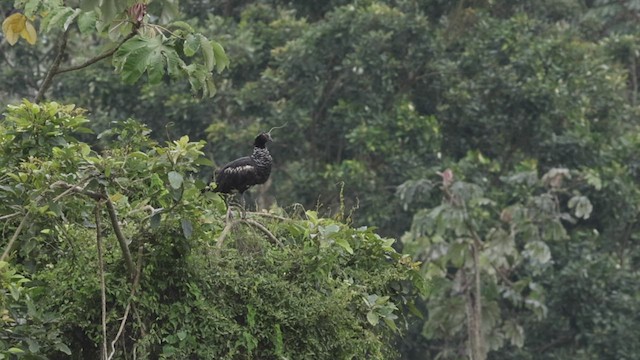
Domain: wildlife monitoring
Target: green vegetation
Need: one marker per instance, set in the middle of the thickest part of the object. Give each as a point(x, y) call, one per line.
point(261, 286)
point(496, 140)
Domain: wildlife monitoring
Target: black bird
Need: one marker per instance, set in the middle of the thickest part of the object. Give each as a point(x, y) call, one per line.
point(242, 173)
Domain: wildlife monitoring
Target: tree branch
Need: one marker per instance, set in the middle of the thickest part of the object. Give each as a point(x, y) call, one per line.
point(136, 281)
point(46, 83)
point(267, 215)
point(225, 232)
point(97, 58)
point(264, 230)
point(74, 188)
point(55, 67)
point(120, 236)
point(103, 291)
point(13, 239)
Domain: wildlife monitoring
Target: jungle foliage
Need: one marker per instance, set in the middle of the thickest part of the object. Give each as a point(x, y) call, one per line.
point(264, 286)
point(497, 140)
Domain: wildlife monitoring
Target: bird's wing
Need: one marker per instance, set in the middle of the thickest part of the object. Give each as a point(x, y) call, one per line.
point(236, 175)
point(238, 166)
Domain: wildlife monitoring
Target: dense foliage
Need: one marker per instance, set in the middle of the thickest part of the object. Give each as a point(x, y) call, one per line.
point(497, 139)
point(263, 286)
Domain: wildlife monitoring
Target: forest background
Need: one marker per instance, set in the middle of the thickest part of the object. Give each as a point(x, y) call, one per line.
point(497, 141)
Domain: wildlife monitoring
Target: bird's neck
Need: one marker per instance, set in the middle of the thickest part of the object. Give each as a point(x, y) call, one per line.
point(261, 156)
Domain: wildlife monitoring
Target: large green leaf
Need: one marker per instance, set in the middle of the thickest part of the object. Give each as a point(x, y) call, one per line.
point(150, 54)
point(221, 59)
point(191, 45)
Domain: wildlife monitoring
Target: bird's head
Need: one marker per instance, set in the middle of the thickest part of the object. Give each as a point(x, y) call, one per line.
point(262, 140)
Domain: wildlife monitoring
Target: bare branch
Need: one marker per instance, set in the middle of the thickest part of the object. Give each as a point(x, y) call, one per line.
point(97, 58)
point(267, 215)
point(55, 66)
point(5, 217)
point(136, 281)
point(264, 230)
point(46, 83)
point(75, 189)
point(225, 232)
point(103, 291)
point(120, 330)
point(13, 239)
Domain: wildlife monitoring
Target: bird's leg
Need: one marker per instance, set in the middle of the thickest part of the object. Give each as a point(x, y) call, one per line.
point(228, 216)
point(243, 206)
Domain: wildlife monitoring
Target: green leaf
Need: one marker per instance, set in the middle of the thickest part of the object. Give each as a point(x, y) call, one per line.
point(457, 253)
point(109, 10)
point(593, 179)
point(343, 243)
point(278, 340)
point(57, 16)
point(15, 351)
point(187, 228)
point(140, 54)
point(221, 59)
point(182, 335)
point(30, 7)
point(514, 332)
point(183, 25)
point(414, 310)
point(15, 292)
point(204, 161)
point(327, 231)
point(191, 45)
point(155, 221)
point(373, 318)
point(89, 5)
point(34, 346)
point(391, 324)
point(63, 348)
point(538, 251)
point(582, 206)
point(207, 52)
point(175, 179)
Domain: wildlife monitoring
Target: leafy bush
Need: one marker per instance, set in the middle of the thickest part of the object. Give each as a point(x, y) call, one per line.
point(180, 280)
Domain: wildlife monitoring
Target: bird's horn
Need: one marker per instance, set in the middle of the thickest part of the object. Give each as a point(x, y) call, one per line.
point(276, 127)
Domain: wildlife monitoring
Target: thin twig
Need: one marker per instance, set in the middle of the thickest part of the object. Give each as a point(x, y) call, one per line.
point(267, 215)
point(103, 287)
point(9, 247)
point(46, 83)
point(264, 230)
point(5, 217)
point(120, 330)
point(97, 58)
point(75, 188)
point(55, 66)
point(136, 281)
